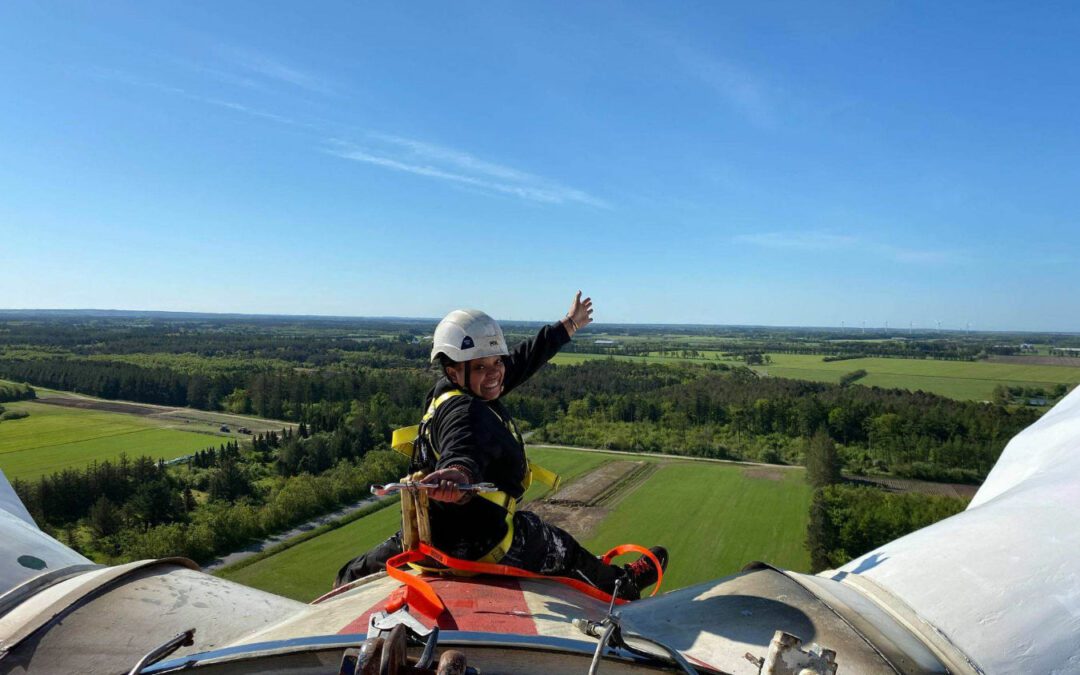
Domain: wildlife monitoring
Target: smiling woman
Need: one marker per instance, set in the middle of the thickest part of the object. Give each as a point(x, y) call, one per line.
point(468, 437)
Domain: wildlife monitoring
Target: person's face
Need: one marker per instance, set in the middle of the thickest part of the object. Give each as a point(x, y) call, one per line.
point(485, 376)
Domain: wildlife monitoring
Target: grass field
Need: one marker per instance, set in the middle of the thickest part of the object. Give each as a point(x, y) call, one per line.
point(711, 517)
point(573, 359)
point(713, 520)
point(306, 571)
point(567, 464)
point(961, 380)
point(54, 437)
point(964, 380)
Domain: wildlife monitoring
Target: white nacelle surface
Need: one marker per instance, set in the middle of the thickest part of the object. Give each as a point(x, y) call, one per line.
point(1001, 580)
point(28, 552)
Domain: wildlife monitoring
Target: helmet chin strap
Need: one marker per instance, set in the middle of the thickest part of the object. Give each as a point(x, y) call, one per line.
point(467, 371)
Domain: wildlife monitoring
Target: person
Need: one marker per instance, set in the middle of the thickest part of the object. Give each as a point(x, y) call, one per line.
point(470, 437)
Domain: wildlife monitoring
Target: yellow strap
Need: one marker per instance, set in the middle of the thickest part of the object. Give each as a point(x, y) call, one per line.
point(503, 501)
point(442, 398)
point(510, 504)
point(545, 476)
point(403, 439)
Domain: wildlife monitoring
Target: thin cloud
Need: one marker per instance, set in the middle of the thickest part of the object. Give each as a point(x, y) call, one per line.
point(814, 241)
point(457, 158)
point(270, 68)
point(432, 161)
point(827, 241)
point(747, 92)
point(247, 110)
point(122, 77)
point(921, 256)
point(398, 153)
point(741, 89)
point(224, 76)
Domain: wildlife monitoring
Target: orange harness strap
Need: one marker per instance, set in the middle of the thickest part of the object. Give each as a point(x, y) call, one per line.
point(420, 596)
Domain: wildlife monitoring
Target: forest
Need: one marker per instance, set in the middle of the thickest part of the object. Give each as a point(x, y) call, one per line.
point(349, 383)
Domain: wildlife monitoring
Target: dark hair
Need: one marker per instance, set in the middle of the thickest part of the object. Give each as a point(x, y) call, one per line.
point(444, 362)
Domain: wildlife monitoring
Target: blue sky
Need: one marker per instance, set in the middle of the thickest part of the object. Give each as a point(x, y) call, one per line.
point(763, 163)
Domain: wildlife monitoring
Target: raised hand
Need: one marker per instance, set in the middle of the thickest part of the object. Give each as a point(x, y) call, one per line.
point(580, 314)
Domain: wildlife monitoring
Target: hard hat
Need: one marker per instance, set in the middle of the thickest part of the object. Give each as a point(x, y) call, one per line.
point(466, 334)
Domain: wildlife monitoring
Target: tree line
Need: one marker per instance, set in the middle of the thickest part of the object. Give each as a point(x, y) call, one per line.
point(275, 394)
point(734, 414)
point(712, 411)
point(847, 520)
point(216, 501)
point(347, 393)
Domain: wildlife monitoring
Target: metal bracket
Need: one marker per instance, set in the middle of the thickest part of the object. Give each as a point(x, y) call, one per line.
point(786, 657)
point(381, 623)
point(185, 639)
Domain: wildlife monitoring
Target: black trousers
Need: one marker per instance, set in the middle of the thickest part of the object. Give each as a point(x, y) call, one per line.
point(537, 546)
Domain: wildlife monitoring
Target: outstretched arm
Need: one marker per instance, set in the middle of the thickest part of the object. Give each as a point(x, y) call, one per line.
point(526, 358)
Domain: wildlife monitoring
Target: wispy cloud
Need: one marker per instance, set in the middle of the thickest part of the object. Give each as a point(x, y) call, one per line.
point(812, 241)
point(224, 76)
point(456, 158)
point(829, 241)
point(920, 256)
point(434, 161)
point(123, 77)
point(271, 68)
point(747, 92)
point(742, 90)
point(396, 153)
point(247, 110)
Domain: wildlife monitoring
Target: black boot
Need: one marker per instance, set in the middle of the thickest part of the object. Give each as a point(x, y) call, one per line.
point(642, 573)
point(589, 568)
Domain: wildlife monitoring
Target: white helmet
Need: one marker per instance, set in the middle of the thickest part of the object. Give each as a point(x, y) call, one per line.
point(466, 334)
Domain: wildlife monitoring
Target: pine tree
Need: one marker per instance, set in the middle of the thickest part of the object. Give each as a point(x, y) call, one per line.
point(105, 518)
point(822, 461)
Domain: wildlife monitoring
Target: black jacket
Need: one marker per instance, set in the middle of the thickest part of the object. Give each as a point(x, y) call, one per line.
point(480, 437)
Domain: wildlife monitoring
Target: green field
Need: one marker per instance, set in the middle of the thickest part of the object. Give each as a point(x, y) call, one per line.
point(574, 358)
point(713, 520)
point(711, 517)
point(963, 380)
point(55, 437)
point(568, 464)
point(307, 570)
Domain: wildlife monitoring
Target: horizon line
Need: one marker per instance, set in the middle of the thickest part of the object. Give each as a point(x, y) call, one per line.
point(339, 317)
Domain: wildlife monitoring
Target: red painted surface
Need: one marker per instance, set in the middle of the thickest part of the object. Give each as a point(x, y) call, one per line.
point(488, 604)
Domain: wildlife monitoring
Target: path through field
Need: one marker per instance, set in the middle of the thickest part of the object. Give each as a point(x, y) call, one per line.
point(262, 545)
point(184, 419)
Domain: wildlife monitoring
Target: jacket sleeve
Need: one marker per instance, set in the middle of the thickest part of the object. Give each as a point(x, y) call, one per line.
point(527, 358)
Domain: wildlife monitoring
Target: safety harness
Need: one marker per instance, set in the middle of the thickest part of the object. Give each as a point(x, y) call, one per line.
point(415, 442)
